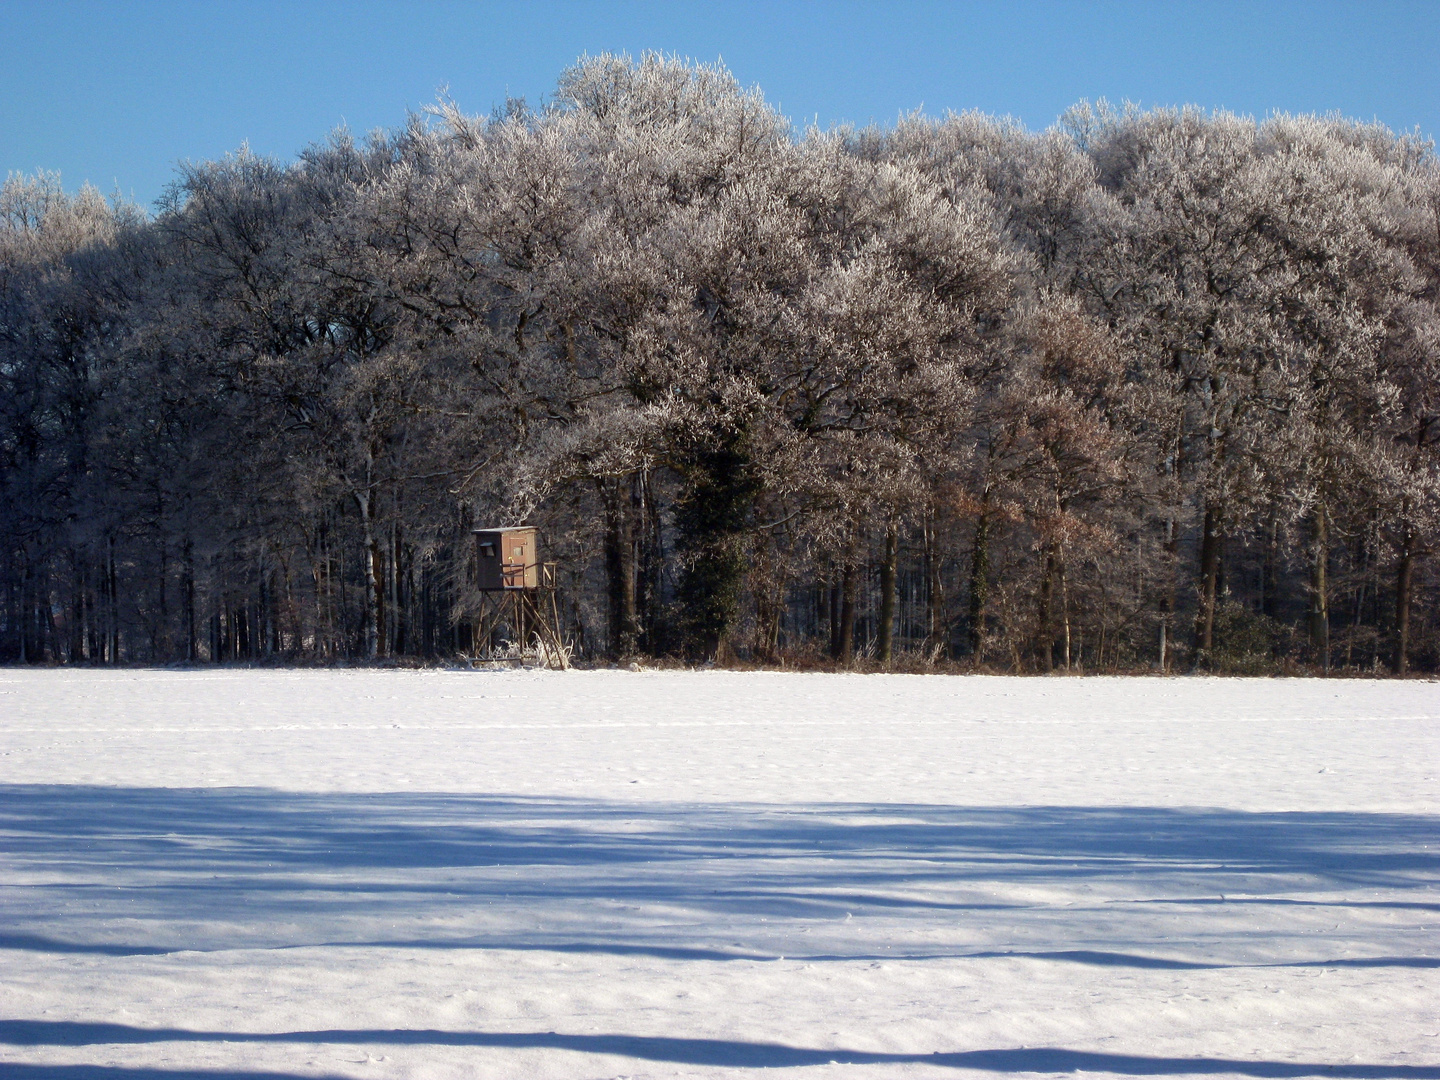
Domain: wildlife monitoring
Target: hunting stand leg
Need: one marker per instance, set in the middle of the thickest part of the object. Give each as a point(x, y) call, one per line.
point(490, 615)
point(547, 628)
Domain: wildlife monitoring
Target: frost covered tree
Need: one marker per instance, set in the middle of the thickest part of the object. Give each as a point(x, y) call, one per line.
point(1150, 388)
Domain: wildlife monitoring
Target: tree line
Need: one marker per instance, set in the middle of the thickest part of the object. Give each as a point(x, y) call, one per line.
point(1151, 389)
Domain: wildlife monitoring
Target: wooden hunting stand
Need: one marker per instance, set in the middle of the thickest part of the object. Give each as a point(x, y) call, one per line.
point(519, 592)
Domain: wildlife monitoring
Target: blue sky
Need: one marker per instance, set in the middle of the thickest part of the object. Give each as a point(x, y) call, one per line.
point(116, 93)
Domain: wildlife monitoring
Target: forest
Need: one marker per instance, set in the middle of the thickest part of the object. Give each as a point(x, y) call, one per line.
point(1154, 389)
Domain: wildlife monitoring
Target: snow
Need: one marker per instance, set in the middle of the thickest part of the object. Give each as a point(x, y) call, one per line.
point(600, 874)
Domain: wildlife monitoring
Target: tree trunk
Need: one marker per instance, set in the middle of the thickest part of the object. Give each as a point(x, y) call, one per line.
point(1320, 588)
point(1211, 544)
point(25, 608)
point(161, 643)
point(1045, 605)
point(834, 613)
point(769, 609)
point(395, 591)
point(76, 623)
point(320, 577)
point(374, 582)
point(849, 582)
point(244, 639)
point(1171, 548)
point(112, 588)
point(980, 580)
point(1064, 607)
point(1404, 587)
point(620, 571)
point(262, 614)
point(888, 590)
point(1270, 573)
point(934, 591)
point(650, 561)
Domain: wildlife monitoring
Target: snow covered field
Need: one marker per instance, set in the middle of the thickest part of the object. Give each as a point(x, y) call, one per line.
point(601, 874)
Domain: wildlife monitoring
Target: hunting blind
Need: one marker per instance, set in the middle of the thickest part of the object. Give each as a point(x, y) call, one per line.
point(507, 559)
point(519, 593)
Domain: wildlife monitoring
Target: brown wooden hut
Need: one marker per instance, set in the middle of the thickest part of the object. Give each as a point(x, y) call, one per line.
point(507, 558)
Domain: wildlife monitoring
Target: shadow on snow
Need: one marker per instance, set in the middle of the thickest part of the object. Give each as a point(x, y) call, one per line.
point(714, 1052)
point(310, 861)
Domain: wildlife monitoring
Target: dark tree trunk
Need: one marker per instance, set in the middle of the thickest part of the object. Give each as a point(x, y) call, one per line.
point(980, 580)
point(888, 589)
point(1404, 587)
point(261, 637)
point(1066, 653)
point(395, 590)
point(650, 559)
point(1270, 572)
point(76, 614)
point(934, 591)
point(1212, 543)
point(1320, 588)
point(849, 584)
point(112, 589)
point(25, 608)
point(161, 642)
point(833, 613)
point(377, 585)
point(620, 570)
point(1045, 605)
